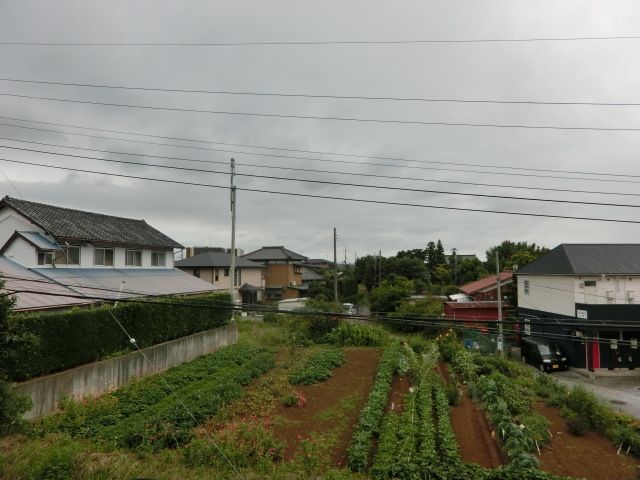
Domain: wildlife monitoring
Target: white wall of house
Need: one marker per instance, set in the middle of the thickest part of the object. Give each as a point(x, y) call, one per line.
point(559, 293)
point(548, 293)
point(608, 289)
point(252, 276)
point(22, 252)
point(10, 221)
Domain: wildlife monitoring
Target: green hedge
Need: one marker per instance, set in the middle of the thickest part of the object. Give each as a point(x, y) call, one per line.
point(50, 342)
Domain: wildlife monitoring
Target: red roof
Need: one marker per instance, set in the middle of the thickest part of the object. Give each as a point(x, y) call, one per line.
point(485, 283)
point(474, 305)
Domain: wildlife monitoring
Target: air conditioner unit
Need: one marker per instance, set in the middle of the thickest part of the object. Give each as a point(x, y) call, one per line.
point(611, 295)
point(293, 284)
point(631, 295)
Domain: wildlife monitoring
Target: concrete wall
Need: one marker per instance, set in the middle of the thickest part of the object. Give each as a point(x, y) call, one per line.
point(100, 377)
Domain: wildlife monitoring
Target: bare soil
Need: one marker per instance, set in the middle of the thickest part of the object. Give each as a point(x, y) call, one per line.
point(591, 456)
point(332, 407)
point(477, 443)
point(399, 388)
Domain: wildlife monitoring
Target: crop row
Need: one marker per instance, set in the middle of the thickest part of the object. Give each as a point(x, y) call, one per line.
point(318, 367)
point(152, 414)
point(396, 456)
point(371, 415)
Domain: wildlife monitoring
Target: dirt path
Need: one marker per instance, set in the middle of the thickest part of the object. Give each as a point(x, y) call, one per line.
point(590, 456)
point(332, 407)
point(474, 435)
point(472, 430)
point(399, 388)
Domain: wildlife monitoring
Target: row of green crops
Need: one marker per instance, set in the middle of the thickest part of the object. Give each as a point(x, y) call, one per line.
point(317, 367)
point(160, 411)
point(420, 443)
point(371, 415)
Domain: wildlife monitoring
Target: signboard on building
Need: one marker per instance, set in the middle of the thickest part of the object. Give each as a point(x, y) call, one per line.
point(582, 314)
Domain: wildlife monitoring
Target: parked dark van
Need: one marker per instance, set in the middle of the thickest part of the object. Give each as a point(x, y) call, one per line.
point(544, 354)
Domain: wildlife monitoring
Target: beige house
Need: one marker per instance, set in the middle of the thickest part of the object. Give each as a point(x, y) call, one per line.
point(214, 266)
point(283, 272)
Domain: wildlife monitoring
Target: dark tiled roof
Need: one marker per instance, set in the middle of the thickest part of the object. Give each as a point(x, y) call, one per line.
point(588, 259)
point(215, 259)
point(266, 254)
point(67, 223)
point(310, 276)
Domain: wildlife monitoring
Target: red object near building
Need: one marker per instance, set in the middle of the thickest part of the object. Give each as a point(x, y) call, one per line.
point(473, 311)
point(487, 288)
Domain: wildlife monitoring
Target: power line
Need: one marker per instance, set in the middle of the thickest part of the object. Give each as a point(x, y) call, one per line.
point(339, 154)
point(327, 182)
point(269, 155)
point(324, 96)
point(324, 42)
point(310, 170)
point(317, 117)
point(328, 197)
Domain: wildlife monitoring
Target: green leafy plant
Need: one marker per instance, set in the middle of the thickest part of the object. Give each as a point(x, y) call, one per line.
point(318, 367)
point(356, 335)
point(373, 411)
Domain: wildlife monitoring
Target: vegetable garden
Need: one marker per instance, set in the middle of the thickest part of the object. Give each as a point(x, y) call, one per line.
point(348, 402)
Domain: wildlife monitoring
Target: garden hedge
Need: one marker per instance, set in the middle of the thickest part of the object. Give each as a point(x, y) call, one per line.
point(41, 343)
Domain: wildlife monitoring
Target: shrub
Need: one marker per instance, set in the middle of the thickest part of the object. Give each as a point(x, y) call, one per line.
point(536, 426)
point(318, 367)
point(586, 405)
point(245, 443)
point(356, 335)
point(12, 407)
point(453, 394)
point(70, 338)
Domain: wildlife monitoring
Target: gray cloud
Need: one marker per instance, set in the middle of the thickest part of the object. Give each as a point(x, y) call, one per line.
point(601, 71)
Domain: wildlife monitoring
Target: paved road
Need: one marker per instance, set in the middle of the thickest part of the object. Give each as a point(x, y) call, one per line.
point(621, 393)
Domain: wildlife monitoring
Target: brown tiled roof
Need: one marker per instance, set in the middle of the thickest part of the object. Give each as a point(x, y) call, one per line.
point(473, 287)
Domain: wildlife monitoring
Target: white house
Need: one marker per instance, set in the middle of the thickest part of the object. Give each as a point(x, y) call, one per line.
point(586, 290)
point(92, 253)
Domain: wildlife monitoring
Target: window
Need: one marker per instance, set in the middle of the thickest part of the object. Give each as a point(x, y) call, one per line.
point(68, 256)
point(297, 269)
point(158, 259)
point(238, 277)
point(526, 287)
point(103, 257)
point(134, 258)
point(45, 258)
point(589, 283)
point(217, 274)
point(196, 272)
point(226, 272)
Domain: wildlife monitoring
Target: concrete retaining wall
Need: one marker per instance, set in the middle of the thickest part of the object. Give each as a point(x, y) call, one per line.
point(100, 377)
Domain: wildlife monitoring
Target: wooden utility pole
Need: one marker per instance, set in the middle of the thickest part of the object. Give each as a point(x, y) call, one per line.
point(232, 270)
point(335, 266)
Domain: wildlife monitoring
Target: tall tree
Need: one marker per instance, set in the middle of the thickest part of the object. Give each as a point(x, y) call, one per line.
point(527, 252)
point(441, 258)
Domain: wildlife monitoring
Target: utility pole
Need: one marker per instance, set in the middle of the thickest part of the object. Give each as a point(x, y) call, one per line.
point(380, 268)
point(232, 270)
point(454, 254)
point(345, 257)
point(335, 266)
point(500, 332)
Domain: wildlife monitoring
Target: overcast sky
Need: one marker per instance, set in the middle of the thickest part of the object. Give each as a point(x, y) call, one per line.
point(599, 71)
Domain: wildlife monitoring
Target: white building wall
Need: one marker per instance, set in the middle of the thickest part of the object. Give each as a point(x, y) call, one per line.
point(548, 293)
point(609, 289)
point(22, 252)
point(10, 221)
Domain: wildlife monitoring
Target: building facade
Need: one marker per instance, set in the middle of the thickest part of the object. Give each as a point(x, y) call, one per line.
point(585, 298)
point(283, 272)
